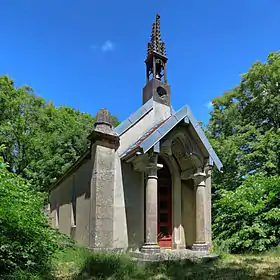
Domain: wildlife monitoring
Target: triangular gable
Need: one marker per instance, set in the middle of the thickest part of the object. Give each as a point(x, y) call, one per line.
point(156, 133)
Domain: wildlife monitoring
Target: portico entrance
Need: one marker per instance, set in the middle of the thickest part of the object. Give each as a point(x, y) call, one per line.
point(164, 207)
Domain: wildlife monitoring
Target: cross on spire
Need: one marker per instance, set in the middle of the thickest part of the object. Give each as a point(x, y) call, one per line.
point(155, 44)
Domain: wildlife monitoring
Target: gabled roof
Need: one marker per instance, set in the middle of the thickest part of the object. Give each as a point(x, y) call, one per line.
point(156, 133)
point(135, 117)
point(129, 122)
point(139, 142)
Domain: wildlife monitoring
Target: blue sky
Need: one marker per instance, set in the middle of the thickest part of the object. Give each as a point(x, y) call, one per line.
point(90, 54)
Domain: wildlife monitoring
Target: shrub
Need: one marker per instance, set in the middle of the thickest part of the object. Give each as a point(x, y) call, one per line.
point(248, 218)
point(26, 240)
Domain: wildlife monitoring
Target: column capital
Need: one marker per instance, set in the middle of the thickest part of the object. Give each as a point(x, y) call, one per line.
point(152, 157)
point(153, 165)
point(208, 169)
point(199, 179)
point(152, 168)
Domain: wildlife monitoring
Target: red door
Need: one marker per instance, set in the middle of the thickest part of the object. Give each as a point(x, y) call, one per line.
point(164, 207)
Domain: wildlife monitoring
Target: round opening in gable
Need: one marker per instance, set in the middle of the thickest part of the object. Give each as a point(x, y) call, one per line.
point(161, 91)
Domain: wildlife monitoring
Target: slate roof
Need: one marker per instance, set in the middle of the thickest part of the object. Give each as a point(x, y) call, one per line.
point(140, 113)
point(136, 116)
point(143, 138)
point(157, 132)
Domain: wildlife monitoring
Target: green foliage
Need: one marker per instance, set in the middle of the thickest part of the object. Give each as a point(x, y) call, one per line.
point(41, 140)
point(248, 218)
point(27, 243)
point(244, 130)
point(245, 125)
point(61, 139)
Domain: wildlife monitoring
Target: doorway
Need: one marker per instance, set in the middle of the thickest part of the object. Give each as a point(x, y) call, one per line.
point(164, 207)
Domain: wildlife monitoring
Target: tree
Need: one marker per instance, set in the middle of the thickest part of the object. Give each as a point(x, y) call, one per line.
point(245, 125)
point(244, 129)
point(248, 218)
point(27, 243)
point(41, 140)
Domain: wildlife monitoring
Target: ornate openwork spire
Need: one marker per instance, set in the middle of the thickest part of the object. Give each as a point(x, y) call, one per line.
point(155, 44)
point(156, 81)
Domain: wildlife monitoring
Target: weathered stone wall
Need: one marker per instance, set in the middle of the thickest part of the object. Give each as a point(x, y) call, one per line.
point(102, 197)
point(101, 213)
point(61, 203)
point(133, 183)
point(120, 224)
point(83, 193)
point(188, 212)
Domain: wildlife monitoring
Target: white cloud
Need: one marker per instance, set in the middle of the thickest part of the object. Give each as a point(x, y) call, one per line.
point(108, 46)
point(209, 105)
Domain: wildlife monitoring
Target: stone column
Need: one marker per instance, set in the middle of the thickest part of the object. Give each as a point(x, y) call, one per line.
point(208, 204)
point(151, 207)
point(200, 240)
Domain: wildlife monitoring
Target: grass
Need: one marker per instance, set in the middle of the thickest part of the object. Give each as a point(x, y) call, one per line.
point(81, 264)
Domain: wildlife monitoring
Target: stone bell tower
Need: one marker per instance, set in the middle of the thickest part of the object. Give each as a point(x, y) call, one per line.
point(156, 83)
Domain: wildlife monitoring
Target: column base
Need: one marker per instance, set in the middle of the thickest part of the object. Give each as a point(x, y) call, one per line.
point(150, 249)
point(200, 247)
point(179, 246)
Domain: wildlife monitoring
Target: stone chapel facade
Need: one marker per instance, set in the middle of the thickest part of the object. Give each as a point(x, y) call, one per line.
point(145, 184)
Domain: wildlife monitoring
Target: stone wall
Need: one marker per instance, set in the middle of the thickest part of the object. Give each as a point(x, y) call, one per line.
point(80, 186)
point(188, 212)
point(74, 188)
point(133, 183)
point(120, 219)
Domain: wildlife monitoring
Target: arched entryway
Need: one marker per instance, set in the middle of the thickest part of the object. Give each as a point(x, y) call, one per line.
point(164, 206)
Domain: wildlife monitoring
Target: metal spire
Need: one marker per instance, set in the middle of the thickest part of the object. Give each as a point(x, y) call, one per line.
point(155, 44)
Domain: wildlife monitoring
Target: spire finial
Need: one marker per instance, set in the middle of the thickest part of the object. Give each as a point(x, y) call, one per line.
point(103, 121)
point(155, 44)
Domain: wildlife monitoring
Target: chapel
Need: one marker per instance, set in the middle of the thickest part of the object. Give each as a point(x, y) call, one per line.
point(146, 184)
